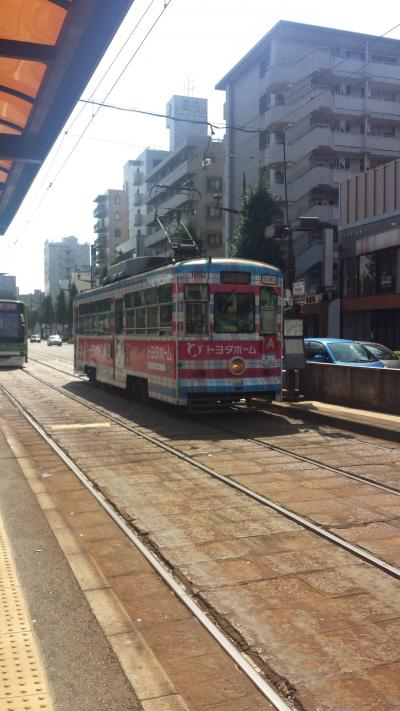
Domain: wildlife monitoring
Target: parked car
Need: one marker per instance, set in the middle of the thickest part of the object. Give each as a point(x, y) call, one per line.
point(340, 352)
point(385, 355)
point(54, 340)
point(35, 338)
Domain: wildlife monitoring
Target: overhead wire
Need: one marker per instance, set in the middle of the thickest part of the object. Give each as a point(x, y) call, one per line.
point(82, 108)
point(213, 126)
point(166, 3)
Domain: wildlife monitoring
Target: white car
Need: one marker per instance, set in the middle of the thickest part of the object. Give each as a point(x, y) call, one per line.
point(54, 340)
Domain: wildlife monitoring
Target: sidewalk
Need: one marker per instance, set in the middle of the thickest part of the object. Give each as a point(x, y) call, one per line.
point(56, 655)
point(381, 424)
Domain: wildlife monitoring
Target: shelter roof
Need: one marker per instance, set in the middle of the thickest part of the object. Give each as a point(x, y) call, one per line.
point(48, 51)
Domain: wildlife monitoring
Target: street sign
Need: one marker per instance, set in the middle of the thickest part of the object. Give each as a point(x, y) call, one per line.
point(299, 290)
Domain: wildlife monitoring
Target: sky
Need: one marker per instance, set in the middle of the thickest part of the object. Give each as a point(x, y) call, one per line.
point(190, 48)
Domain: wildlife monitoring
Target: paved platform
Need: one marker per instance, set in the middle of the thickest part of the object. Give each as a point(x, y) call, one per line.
point(385, 424)
point(106, 632)
point(53, 647)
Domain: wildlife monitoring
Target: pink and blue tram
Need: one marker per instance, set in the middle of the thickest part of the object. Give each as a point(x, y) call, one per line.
point(201, 333)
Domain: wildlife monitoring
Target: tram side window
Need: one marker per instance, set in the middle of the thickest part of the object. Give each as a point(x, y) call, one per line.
point(95, 318)
point(165, 299)
point(268, 311)
point(151, 310)
point(196, 309)
point(140, 314)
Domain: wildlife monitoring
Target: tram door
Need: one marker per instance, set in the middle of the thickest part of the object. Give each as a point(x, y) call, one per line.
point(118, 339)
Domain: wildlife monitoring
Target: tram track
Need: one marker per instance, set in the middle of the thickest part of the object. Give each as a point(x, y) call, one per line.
point(358, 552)
point(268, 411)
point(305, 523)
point(269, 446)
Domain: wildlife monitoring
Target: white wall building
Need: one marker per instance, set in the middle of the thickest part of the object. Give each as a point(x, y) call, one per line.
point(8, 287)
point(61, 259)
point(187, 179)
point(326, 100)
point(135, 174)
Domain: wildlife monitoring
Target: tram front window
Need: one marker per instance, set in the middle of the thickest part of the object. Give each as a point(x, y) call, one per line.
point(234, 313)
point(10, 326)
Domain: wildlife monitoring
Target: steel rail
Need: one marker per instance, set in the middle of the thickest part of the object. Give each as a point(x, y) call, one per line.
point(268, 411)
point(355, 550)
point(257, 679)
point(265, 445)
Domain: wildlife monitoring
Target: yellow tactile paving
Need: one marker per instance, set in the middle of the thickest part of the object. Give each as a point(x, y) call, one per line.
point(22, 682)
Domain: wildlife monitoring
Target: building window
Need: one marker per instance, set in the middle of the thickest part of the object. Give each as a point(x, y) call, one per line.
point(367, 274)
point(214, 239)
point(386, 271)
point(264, 102)
point(350, 276)
point(214, 212)
point(117, 216)
point(117, 232)
point(263, 140)
point(263, 67)
point(117, 199)
point(214, 184)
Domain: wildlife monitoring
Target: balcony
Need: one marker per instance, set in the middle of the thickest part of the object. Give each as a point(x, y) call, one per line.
point(138, 179)
point(322, 97)
point(283, 73)
point(322, 136)
point(316, 176)
point(138, 198)
point(100, 211)
point(323, 210)
point(100, 226)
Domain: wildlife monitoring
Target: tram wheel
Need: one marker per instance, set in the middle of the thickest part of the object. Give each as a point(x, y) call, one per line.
point(143, 390)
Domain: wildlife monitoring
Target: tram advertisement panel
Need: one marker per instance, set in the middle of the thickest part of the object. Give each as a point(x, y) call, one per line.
point(151, 357)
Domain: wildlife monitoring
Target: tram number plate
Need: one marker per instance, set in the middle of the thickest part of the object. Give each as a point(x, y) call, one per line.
point(238, 383)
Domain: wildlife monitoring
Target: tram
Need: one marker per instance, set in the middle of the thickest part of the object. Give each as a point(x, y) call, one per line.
point(202, 333)
point(13, 334)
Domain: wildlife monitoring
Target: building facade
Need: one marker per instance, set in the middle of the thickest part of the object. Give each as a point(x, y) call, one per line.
point(323, 105)
point(369, 235)
point(33, 300)
point(135, 174)
point(111, 228)
point(8, 287)
point(61, 260)
point(185, 183)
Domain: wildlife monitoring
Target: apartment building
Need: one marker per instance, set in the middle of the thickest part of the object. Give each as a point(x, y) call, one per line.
point(369, 234)
point(8, 287)
point(111, 227)
point(33, 300)
point(323, 105)
point(187, 180)
point(61, 260)
point(135, 174)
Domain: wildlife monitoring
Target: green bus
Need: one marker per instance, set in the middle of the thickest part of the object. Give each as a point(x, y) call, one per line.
point(13, 333)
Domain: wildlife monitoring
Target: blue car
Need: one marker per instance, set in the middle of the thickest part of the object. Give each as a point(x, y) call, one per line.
point(340, 352)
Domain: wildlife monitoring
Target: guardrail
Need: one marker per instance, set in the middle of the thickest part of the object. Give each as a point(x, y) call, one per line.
point(376, 389)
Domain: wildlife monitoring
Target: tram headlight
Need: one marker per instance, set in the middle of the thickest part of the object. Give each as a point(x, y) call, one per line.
point(237, 366)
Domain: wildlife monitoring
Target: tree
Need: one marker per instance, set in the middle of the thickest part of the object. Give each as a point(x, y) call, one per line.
point(259, 210)
point(46, 311)
point(61, 308)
